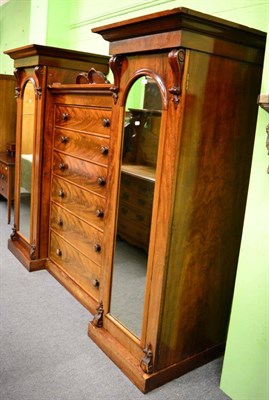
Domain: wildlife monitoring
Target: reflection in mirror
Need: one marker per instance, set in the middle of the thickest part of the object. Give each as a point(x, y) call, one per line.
point(27, 140)
point(137, 180)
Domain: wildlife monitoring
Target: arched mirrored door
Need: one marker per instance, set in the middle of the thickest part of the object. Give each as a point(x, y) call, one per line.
point(137, 181)
point(26, 159)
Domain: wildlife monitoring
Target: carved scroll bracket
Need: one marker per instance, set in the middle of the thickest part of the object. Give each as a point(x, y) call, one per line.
point(147, 361)
point(32, 251)
point(176, 60)
point(39, 70)
point(19, 74)
point(13, 235)
point(98, 317)
point(116, 63)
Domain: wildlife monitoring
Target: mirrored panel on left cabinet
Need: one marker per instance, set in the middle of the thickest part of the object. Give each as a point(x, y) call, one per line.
point(26, 159)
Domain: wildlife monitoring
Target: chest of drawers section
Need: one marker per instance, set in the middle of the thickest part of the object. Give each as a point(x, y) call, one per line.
point(81, 135)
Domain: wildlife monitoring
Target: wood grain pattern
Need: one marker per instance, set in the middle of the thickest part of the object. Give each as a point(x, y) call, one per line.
point(83, 119)
point(80, 172)
point(89, 147)
point(78, 267)
point(87, 239)
point(78, 201)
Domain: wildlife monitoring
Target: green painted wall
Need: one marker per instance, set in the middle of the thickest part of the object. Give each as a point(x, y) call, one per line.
point(68, 23)
point(14, 30)
point(246, 364)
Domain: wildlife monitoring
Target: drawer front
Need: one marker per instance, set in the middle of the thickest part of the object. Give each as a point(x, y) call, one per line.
point(137, 192)
point(83, 173)
point(83, 119)
point(133, 233)
point(92, 148)
point(78, 267)
point(85, 205)
point(134, 215)
point(78, 233)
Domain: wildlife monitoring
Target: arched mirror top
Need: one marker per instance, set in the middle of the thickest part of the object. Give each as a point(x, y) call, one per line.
point(155, 83)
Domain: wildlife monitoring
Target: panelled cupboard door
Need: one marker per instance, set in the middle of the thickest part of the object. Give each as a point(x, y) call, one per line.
point(180, 154)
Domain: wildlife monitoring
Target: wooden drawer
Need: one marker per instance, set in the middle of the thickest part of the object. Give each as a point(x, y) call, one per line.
point(134, 214)
point(137, 192)
point(77, 266)
point(83, 119)
point(80, 202)
point(78, 233)
point(81, 172)
point(90, 147)
point(134, 233)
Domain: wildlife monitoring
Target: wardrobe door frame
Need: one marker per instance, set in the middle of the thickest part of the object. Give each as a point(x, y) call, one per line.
point(36, 76)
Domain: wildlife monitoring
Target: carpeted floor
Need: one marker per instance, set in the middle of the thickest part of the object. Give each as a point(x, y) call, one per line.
point(45, 353)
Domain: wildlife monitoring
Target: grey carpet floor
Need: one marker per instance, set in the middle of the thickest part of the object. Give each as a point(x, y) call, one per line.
point(45, 353)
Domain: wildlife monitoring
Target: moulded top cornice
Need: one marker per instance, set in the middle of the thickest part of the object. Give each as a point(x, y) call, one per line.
point(39, 50)
point(182, 19)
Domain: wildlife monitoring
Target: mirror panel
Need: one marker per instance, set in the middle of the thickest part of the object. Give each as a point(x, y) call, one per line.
point(137, 181)
point(26, 159)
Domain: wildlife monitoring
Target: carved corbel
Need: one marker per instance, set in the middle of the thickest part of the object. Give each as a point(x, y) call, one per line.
point(98, 317)
point(176, 60)
point(13, 235)
point(91, 77)
point(39, 76)
point(147, 361)
point(115, 64)
point(19, 74)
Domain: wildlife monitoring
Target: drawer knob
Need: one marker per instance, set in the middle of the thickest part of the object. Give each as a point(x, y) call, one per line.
point(141, 202)
point(100, 213)
point(65, 116)
point(104, 150)
point(64, 139)
point(60, 222)
point(61, 193)
point(95, 283)
point(101, 181)
point(62, 166)
point(97, 247)
point(106, 122)
point(59, 252)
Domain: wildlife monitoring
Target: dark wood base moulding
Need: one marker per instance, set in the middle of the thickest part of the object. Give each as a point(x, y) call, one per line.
point(130, 366)
point(21, 252)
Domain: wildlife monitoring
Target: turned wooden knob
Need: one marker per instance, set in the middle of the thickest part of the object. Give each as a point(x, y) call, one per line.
point(99, 213)
point(95, 283)
point(104, 150)
point(106, 122)
point(64, 139)
point(60, 222)
point(65, 116)
point(62, 166)
point(59, 252)
point(97, 247)
point(101, 180)
point(61, 193)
